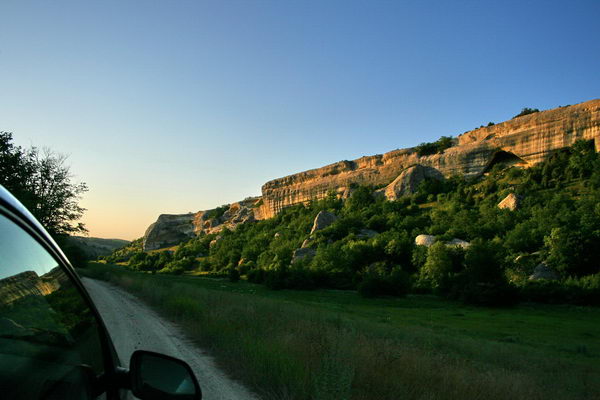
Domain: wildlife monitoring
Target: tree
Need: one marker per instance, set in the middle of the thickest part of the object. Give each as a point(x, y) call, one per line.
point(438, 267)
point(43, 182)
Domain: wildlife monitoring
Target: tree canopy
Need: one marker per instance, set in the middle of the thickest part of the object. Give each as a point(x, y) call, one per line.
point(43, 182)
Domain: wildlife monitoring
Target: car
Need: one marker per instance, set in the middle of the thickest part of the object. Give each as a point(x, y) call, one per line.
point(53, 342)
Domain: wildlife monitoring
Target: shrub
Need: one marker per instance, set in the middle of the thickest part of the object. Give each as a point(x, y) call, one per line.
point(438, 268)
point(483, 281)
point(276, 279)
point(300, 279)
point(233, 274)
point(526, 111)
point(396, 283)
point(256, 275)
point(438, 146)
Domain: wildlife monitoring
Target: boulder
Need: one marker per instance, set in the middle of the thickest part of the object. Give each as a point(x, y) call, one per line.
point(322, 220)
point(458, 243)
point(303, 253)
point(425, 240)
point(408, 181)
point(543, 271)
point(367, 234)
point(510, 202)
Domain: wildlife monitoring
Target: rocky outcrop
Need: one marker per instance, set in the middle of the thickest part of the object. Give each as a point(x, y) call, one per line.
point(523, 141)
point(408, 181)
point(169, 230)
point(510, 202)
point(322, 221)
point(458, 243)
point(425, 240)
point(303, 253)
point(29, 283)
point(542, 271)
point(429, 240)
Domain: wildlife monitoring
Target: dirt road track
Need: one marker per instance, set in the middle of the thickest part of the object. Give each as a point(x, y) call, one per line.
point(134, 326)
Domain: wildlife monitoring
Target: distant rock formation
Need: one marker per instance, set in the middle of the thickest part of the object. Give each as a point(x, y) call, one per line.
point(28, 283)
point(521, 141)
point(169, 230)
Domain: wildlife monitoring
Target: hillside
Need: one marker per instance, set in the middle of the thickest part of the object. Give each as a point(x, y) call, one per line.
point(524, 141)
point(510, 234)
point(97, 247)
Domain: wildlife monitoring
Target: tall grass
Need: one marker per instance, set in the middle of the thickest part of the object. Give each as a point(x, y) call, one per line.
point(285, 350)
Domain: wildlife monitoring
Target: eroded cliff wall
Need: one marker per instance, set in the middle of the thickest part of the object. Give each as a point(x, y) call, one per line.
point(524, 141)
point(527, 139)
point(171, 229)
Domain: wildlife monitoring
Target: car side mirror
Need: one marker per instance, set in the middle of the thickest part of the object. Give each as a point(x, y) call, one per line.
point(156, 376)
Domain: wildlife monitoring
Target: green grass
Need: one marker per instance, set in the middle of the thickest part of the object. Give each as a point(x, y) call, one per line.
point(336, 345)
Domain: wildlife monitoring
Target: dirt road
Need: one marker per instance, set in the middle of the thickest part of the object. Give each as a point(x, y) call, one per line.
point(134, 326)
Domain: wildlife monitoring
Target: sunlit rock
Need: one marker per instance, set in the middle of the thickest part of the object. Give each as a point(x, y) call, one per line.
point(510, 202)
point(425, 240)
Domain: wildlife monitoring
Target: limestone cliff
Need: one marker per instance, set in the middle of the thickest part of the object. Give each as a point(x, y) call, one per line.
point(28, 283)
point(523, 141)
point(169, 229)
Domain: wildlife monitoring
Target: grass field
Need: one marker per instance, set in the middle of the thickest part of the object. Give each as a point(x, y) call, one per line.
point(336, 345)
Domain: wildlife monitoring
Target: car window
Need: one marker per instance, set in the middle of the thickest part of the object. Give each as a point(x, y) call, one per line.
point(49, 343)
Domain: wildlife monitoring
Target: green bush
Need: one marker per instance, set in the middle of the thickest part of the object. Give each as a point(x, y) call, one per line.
point(379, 282)
point(233, 274)
point(438, 146)
point(526, 111)
point(256, 275)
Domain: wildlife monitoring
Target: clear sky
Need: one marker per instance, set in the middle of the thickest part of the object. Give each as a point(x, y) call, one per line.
point(178, 106)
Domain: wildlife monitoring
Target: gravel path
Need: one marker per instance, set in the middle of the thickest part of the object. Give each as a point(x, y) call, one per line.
point(132, 326)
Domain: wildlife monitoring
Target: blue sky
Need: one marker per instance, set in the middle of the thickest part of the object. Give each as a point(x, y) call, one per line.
point(177, 106)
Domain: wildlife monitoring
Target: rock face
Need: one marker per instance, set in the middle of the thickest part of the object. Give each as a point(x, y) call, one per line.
point(408, 181)
point(523, 141)
point(28, 283)
point(510, 202)
point(169, 230)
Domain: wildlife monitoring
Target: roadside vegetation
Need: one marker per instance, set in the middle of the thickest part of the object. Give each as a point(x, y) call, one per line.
point(371, 246)
point(331, 344)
